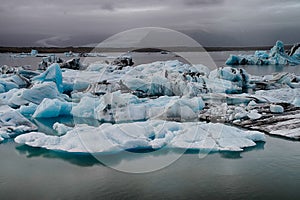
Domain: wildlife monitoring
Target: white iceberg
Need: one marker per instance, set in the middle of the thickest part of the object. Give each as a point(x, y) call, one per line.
point(109, 138)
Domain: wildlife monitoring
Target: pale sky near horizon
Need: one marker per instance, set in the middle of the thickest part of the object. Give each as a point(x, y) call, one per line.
point(210, 22)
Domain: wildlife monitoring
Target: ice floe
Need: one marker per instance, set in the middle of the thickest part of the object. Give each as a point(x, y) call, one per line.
point(109, 138)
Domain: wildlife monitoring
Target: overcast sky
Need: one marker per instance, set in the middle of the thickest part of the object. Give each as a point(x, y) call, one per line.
point(210, 22)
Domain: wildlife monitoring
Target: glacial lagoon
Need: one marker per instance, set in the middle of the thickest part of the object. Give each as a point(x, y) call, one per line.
point(270, 170)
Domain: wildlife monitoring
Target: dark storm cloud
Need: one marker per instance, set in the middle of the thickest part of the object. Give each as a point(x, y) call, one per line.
point(212, 22)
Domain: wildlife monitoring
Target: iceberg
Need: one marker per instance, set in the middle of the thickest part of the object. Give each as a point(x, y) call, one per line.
point(276, 56)
point(112, 138)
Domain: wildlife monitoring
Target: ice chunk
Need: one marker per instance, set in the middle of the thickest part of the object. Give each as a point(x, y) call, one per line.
point(120, 107)
point(286, 95)
point(276, 109)
point(52, 74)
point(5, 86)
point(52, 108)
point(12, 123)
point(109, 138)
point(296, 102)
point(28, 109)
point(34, 52)
point(254, 115)
point(61, 129)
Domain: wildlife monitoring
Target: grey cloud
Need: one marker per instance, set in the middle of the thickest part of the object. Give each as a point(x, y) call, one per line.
point(82, 21)
point(202, 2)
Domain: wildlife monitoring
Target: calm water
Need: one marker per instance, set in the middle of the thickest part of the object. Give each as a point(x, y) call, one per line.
point(268, 171)
point(271, 170)
point(212, 60)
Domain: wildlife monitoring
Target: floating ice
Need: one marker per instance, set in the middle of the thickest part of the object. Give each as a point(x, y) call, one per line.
point(12, 123)
point(277, 56)
point(61, 129)
point(52, 108)
point(254, 115)
point(118, 107)
point(286, 95)
point(296, 102)
point(52, 74)
point(5, 86)
point(28, 109)
point(276, 109)
point(109, 138)
point(34, 52)
point(236, 76)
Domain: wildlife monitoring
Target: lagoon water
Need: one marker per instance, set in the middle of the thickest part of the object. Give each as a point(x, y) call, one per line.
point(270, 170)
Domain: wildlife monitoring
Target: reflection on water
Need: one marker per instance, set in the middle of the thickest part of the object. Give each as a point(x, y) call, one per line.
point(262, 170)
point(85, 160)
point(138, 156)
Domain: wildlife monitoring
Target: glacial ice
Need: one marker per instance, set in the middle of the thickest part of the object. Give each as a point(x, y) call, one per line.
point(171, 78)
point(61, 129)
point(276, 56)
point(111, 138)
point(12, 123)
point(276, 109)
point(285, 95)
point(118, 107)
point(296, 102)
point(49, 108)
point(52, 74)
point(5, 86)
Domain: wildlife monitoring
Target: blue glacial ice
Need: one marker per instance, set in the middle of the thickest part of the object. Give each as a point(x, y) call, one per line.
point(276, 56)
point(52, 74)
point(5, 86)
point(111, 138)
point(49, 108)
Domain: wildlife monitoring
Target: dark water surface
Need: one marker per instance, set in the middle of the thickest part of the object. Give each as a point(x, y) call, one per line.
point(218, 58)
point(269, 171)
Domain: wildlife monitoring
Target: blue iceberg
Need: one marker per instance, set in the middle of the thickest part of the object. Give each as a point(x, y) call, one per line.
point(276, 56)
